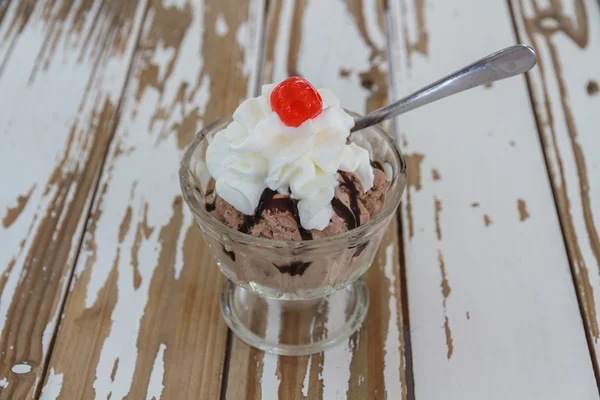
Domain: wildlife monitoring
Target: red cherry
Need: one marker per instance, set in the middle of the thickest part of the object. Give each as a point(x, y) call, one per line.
point(295, 100)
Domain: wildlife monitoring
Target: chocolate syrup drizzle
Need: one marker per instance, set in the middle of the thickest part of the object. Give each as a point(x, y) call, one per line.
point(349, 183)
point(268, 202)
point(295, 268)
point(350, 216)
point(344, 213)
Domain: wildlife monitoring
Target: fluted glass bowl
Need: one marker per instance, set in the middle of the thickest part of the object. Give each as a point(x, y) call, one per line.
point(268, 276)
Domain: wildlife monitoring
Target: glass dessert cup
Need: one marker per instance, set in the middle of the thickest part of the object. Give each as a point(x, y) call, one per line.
point(293, 297)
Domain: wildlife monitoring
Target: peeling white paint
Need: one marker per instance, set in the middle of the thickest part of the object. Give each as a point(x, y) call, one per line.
point(148, 144)
point(221, 27)
point(69, 198)
point(48, 333)
point(131, 302)
point(156, 386)
point(21, 369)
point(42, 140)
point(189, 222)
point(306, 382)
point(249, 36)
point(53, 386)
point(282, 44)
point(11, 237)
point(269, 381)
point(392, 359)
point(127, 314)
point(243, 39)
point(336, 361)
point(351, 51)
point(3, 383)
point(162, 145)
point(372, 26)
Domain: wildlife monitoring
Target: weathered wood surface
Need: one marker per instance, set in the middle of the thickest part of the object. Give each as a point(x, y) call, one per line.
point(97, 100)
point(63, 65)
point(493, 311)
point(340, 45)
point(143, 319)
point(567, 99)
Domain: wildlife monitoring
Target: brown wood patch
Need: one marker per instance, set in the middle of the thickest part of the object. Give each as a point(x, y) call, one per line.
point(47, 219)
point(143, 316)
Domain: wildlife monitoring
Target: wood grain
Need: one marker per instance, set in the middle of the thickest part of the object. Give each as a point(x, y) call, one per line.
point(564, 88)
point(60, 92)
point(493, 311)
point(339, 45)
point(142, 319)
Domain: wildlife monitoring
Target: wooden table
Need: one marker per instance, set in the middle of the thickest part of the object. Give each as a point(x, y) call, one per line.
point(486, 287)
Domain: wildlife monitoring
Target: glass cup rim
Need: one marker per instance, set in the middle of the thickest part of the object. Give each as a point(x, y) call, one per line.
point(185, 173)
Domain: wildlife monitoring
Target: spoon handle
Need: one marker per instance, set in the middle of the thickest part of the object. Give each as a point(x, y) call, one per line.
point(511, 61)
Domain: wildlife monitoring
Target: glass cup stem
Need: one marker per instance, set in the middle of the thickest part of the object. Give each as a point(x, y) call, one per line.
point(294, 327)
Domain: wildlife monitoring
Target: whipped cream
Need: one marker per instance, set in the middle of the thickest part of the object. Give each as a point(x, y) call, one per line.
point(258, 151)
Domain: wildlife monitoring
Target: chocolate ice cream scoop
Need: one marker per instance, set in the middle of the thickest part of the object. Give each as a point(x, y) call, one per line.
point(276, 216)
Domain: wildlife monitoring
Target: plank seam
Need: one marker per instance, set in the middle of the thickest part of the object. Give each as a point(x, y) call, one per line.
point(96, 186)
point(225, 370)
point(391, 41)
point(408, 359)
point(538, 123)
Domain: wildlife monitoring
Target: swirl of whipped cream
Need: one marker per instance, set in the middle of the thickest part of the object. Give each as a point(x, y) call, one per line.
point(258, 151)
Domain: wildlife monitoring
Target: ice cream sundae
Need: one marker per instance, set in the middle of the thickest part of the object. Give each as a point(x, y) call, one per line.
point(283, 169)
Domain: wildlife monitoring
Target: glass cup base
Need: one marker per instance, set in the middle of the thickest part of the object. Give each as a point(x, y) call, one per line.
point(294, 327)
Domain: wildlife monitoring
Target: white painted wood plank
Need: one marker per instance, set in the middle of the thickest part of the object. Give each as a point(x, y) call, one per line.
point(567, 98)
point(58, 99)
point(339, 45)
point(53, 386)
point(493, 311)
point(144, 273)
point(332, 44)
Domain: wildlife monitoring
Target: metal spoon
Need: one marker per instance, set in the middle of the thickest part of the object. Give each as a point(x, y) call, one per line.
point(511, 61)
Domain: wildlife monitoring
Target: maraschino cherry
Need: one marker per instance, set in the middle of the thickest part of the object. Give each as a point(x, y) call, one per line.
point(295, 100)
